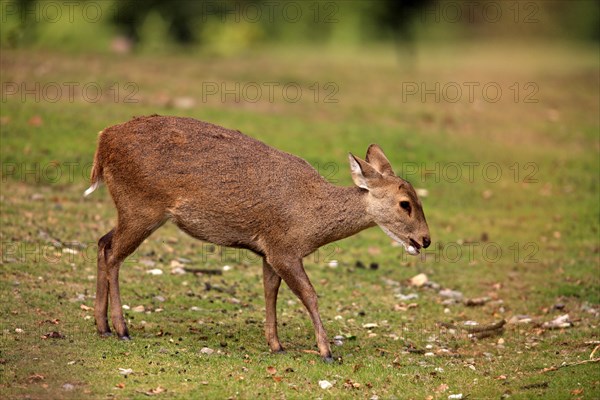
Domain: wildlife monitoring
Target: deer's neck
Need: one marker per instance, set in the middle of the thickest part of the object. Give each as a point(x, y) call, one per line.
point(340, 213)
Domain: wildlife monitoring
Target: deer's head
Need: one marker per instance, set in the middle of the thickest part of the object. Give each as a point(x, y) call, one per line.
point(392, 202)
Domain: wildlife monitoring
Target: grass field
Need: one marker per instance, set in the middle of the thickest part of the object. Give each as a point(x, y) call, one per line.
point(504, 140)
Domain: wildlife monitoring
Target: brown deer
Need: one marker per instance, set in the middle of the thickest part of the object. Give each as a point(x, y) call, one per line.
point(223, 187)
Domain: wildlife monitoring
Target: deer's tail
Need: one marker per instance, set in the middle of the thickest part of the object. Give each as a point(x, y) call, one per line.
point(96, 175)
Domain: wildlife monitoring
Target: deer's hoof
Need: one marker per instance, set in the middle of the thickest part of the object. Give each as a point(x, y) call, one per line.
point(124, 337)
point(328, 359)
point(105, 334)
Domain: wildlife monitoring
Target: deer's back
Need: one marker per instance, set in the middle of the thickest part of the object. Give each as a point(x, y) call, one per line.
point(206, 174)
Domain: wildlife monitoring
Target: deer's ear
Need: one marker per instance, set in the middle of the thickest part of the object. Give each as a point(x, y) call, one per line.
point(363, 174)
point(378, 160)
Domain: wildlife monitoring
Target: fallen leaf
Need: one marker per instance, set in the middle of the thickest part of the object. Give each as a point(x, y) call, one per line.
point(350, 384)
point(157, 390)
point(125, 371)
point(441, 389)
point(36, 120)
point(271, 370)
point(36, 377)
point(120, 385)
point(575, 392)
point(277, 378)
point(53, 335)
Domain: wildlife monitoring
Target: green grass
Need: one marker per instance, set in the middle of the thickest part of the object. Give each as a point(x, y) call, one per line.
point(547, 230)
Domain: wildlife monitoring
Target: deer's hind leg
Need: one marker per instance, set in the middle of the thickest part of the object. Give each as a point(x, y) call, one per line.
point(114, 247)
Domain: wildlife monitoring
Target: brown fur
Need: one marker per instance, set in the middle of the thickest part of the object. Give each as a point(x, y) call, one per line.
point(226, 188)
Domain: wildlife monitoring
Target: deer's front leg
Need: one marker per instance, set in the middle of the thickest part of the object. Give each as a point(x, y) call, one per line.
point(294, 275)
point(271, 283)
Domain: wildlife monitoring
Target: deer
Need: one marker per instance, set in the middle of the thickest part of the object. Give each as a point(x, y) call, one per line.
point(223, 187)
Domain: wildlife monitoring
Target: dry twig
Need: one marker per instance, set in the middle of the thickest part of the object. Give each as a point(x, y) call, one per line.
point(554, 368)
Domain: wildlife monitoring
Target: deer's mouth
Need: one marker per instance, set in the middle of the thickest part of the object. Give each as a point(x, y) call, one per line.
point(410, 245)
point(415, 244)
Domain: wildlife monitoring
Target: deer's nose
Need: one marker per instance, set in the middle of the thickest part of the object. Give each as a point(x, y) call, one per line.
point(426, 241)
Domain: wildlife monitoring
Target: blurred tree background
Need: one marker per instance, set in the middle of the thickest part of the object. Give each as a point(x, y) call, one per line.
point(229, 26)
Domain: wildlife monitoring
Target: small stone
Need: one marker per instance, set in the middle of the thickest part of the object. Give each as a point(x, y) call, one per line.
point(147, 262)
point(155, 271)
point(406, 297)
point(432, 285)
point(184, 102)
point(159, 298)
point(418, 280)
point(325, 385)
point(333, 264)
point(227, 268)
point(68, 387)
point(139, 309)
point(207, 350)
point(451, 294)
point(421, 192)
point(177, 271)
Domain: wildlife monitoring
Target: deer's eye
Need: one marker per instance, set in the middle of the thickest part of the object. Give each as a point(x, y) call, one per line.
point(405, 205)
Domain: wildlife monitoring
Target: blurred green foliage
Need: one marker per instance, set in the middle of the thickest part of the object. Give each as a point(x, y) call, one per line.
point(228, 26)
